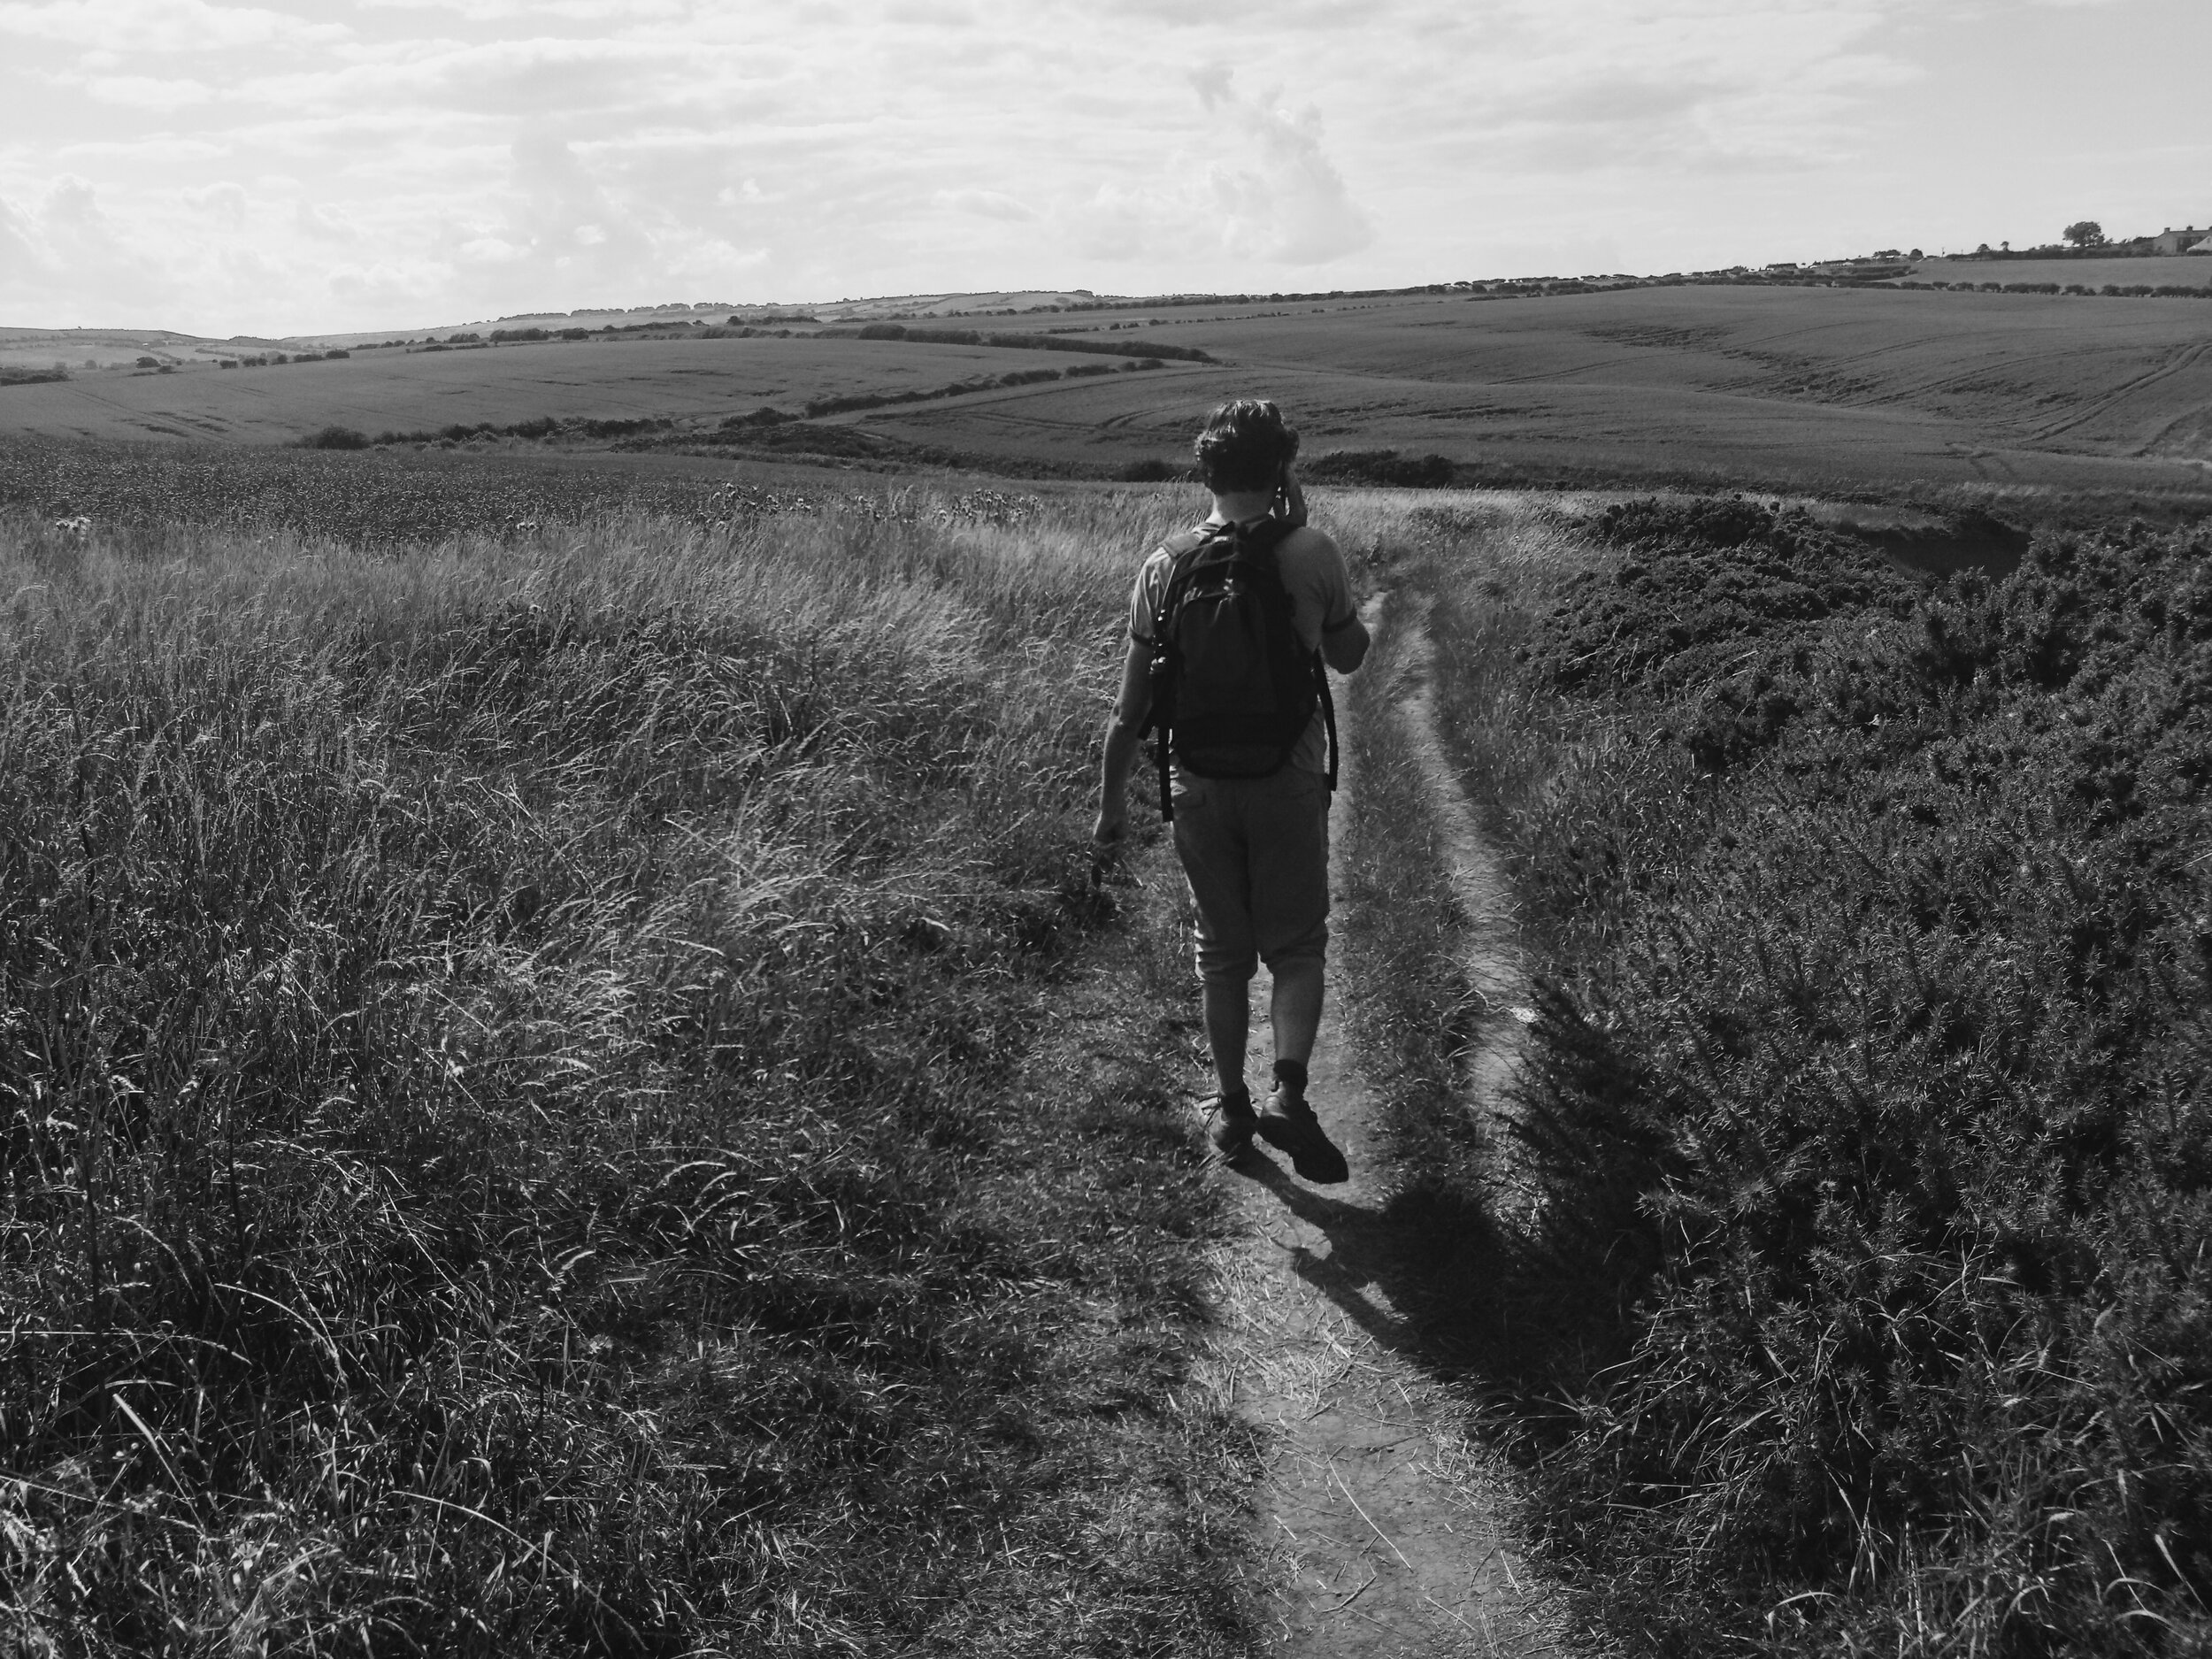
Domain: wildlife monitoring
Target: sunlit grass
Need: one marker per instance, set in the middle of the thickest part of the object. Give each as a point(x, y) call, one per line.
point(510, 1096)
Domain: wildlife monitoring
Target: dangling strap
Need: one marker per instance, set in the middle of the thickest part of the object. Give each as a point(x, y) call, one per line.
point(1328, 713)
point(1167, 781)
point(1161, 645)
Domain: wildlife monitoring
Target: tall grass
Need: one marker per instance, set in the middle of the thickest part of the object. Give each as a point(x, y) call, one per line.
point(1865, 1107)
point(513, 1132)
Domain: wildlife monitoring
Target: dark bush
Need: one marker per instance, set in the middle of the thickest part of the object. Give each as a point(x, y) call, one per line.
point(1151, 471)
point(1874, 1101)
point(1384, 467)
point(766, 415)
point(336, 438)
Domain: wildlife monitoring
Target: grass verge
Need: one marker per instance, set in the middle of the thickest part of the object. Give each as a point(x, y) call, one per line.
point(537, 1112)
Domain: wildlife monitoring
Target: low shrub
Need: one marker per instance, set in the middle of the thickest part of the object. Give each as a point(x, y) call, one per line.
point(1384, 467)
point(1869, 1112)
point(336, 438)
point(1152, 470)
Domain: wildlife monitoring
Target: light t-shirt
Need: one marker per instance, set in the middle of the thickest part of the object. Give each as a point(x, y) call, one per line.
point(1320, 589)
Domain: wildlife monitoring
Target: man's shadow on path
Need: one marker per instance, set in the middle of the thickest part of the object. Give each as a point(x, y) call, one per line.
point(1437, 1275)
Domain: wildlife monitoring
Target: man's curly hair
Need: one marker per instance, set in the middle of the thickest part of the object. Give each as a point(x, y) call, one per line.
point(1244, 446)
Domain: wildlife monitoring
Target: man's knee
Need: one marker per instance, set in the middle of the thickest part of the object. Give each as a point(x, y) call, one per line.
point(1311, 946)
point(1219, 964)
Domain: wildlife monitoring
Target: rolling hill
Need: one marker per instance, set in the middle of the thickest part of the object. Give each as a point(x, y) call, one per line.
point(1798, 385)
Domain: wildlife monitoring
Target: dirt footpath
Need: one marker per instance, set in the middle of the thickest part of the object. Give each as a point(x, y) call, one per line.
point(1393, 1531)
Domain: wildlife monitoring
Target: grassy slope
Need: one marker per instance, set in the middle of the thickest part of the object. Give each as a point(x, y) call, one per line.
point(599, 379)
point(2193, 271)
point(528, 1111)
point(1783, 384)
point(1865, 1122)
point(1836, 388)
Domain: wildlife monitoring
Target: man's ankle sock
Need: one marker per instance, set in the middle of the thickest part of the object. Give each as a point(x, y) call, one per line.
point(1290, 1077)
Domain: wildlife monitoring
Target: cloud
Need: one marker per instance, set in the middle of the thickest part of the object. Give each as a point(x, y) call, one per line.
point(147, 92)
point(69, 243)
point(987, 204)
point(161, 26)
point(224, 203)
point(1292, 207)
point(1266, 192)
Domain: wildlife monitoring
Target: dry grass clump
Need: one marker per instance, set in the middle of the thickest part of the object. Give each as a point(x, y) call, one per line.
point(511, 1132)
point(1866, 1110)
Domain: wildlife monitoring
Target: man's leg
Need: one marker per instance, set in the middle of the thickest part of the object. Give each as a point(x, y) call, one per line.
point(1228, 1025)
point(1294, 1008)
point(1210, 841)
point(1290, 911)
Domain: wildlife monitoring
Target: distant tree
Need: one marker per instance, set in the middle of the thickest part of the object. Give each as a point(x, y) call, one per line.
point(2086, 233)
point(148, 363)
point(1916, 254)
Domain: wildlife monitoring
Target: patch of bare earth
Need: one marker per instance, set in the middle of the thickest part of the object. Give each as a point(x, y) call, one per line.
point(1391, 1528)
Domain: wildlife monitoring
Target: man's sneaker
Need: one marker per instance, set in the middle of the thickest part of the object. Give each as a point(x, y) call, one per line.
point(1230, 1122)
point(1288, 1125)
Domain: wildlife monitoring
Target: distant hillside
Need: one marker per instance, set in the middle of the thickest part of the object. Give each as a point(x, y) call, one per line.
point(1009, 302)
point(2115, 270)
point(118, 347)
point(1743, 381)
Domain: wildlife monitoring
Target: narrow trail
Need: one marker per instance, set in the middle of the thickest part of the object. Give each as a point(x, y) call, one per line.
point(1393, 1534)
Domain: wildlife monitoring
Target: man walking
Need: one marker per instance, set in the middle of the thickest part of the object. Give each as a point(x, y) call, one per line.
point(1253, 837)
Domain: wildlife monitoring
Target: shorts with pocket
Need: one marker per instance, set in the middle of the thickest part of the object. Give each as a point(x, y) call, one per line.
point(1256, 854)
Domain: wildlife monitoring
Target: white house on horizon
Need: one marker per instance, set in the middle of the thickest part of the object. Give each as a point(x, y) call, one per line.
point(2188, 239)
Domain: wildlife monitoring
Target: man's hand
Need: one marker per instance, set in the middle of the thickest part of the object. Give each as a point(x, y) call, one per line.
point(1112, 827)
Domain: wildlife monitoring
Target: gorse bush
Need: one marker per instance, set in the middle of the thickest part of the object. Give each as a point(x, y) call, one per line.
point(1867, 1113)
point(501, 1047)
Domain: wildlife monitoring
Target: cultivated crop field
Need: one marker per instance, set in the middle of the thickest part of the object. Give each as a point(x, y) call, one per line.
point(610, 379)
point(2158, 270)
point(1826, 388)
point(1831, 389)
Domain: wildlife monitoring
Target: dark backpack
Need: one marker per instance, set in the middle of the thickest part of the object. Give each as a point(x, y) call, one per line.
point(1233, 685)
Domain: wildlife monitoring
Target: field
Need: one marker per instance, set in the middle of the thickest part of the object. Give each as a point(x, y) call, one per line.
point(2183, 271)
point(570, 1085)
point(617, 379)
point(1829, 388)
point(1816, 388)
point(518, 1120)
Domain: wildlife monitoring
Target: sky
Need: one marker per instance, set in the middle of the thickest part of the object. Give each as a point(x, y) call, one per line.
point(362, 165)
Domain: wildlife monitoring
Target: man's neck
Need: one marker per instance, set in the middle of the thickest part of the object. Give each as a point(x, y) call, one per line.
point(1242, 506)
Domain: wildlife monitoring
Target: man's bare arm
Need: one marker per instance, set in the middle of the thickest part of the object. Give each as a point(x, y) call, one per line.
point(1345, 650)
point(1131, 707)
